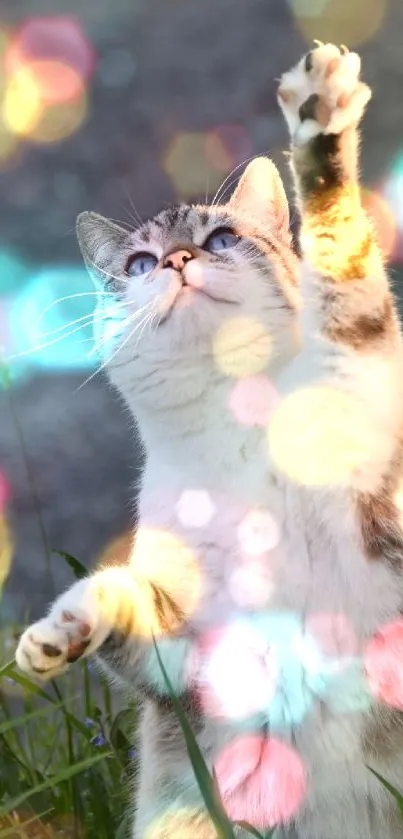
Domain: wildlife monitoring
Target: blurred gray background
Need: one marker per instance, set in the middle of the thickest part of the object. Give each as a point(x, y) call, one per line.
point(180, 93)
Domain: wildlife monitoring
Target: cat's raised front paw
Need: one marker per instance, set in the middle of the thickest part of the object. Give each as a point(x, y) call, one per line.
point(47, 647)
point(323, 94)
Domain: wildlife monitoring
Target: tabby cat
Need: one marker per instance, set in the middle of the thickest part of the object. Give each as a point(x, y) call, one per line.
point(267, 566)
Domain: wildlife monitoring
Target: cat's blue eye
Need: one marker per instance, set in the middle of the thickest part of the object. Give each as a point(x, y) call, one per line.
point(141, 263)
point(221, 240)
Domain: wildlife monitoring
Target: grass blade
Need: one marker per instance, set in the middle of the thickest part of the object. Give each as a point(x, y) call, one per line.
point(76, 566)
point(204, 779)
point(14, 722)
point(53, 781)
point(250, 829)
point(5, 669)
point(25, 683)
point(34, 688)
point(393, 791)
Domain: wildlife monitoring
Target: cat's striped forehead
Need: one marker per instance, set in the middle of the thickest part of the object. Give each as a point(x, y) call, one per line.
point(184, 223)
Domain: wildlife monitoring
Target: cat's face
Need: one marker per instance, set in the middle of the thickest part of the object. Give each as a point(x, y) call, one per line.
point(171, 290)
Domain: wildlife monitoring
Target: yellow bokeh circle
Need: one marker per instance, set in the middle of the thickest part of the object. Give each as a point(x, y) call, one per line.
point(118, 551)
point(321, 436)
point(59, 121)
point(22, 103)
point(338, 21)
point(182, 824)
point(6, 550)
point(27, 113)
point(163, 559)
point(242, 347)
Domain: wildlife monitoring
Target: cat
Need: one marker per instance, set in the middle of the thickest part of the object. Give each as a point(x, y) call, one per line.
point(267, 565)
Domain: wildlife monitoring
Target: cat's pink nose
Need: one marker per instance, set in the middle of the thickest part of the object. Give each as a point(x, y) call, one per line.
point(177, 260)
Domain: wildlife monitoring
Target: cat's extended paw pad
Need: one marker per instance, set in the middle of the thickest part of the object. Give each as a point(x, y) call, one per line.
point(47, 647)
point(323, 94)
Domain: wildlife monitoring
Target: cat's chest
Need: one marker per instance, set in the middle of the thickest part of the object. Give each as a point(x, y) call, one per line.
point(272, 548)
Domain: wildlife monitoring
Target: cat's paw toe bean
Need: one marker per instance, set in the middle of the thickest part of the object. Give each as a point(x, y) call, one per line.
point(323, 93)
point(47, 647)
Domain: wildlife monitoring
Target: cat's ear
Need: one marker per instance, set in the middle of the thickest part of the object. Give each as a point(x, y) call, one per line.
point(102, 244)
point(260, 195)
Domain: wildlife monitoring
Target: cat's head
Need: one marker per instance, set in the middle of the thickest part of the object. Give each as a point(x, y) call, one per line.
point(191, 283)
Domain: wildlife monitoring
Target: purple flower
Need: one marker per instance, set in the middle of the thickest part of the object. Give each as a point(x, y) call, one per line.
point(132, 753)
point(98, 740)
point(88, 722)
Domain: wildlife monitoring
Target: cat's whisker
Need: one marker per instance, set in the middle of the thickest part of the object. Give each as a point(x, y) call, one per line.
point(137, 218)
point(110, 358)
point(118, 278)
point(88, 320)
point(123, 223)
point(146, 322)
point(217, 196)
point(85, 320)
point(64, 299)
point(44, 346)
point(126, 322)
point(227, 188)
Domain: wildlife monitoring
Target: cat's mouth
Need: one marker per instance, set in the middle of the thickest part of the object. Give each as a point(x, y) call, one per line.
point(187, 295)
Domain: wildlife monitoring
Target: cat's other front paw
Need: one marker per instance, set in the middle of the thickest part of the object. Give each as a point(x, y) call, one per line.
point(323, 93)
point(75, 626)
point(47, 647)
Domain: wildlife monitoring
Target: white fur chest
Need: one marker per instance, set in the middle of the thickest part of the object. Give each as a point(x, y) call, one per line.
point(262, 543)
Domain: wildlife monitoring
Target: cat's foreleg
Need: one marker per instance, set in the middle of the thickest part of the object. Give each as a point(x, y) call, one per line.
point(112, 603)
point(351, 339)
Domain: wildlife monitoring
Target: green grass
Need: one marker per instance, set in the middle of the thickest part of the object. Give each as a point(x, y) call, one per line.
point(67, 764)
point(65, 755)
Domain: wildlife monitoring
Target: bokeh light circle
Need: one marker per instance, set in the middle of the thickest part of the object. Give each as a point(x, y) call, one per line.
point(242, 347)
point(320, 436)
point(392, 191)
point(227, 146)
point(59, 121)
point(253, 399)
point(57, 83)
point(4, 492)
point(13, 271)
point(258, 533)
point(261, 781)
point(8, 142)
point(381, 215)
point(181, 824)
point(195, 508)
point(22, 104)
point(250, 585)
point(338, 21)
point(334, 634)
point(51, 37)
point(384, 664)
point(164, 560)
point(40, 315)
point(118, 551)
point(188, 167)
point(6, 549)
point(224, 654)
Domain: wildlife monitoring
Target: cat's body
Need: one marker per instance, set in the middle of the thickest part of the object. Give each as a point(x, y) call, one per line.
point(250, 542)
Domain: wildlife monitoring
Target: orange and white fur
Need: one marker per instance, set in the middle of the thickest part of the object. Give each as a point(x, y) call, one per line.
point(323, 330)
